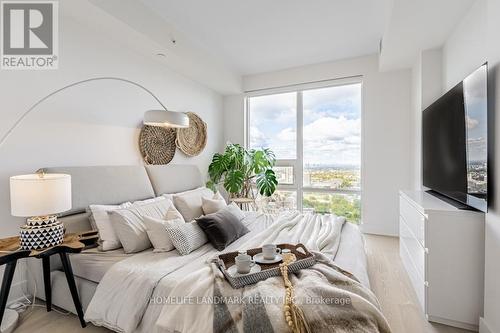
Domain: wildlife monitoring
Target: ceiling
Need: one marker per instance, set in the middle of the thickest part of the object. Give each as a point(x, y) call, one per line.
point(217, 42)
point(262, 35)
point(140, 28)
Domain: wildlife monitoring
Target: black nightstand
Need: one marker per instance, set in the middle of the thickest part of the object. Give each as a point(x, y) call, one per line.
point(10, 252)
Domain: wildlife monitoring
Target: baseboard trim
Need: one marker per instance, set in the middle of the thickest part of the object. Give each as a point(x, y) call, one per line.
point(483, 326)
point(454, 323)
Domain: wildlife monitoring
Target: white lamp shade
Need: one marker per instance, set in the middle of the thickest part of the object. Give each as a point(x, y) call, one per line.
point(164, 118)
point(40, 194)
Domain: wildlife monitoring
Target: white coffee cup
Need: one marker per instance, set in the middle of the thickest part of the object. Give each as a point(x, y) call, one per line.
point(244, 263)
point(269, 251)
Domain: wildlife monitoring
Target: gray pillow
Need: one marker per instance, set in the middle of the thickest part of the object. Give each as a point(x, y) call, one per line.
point(222, 228)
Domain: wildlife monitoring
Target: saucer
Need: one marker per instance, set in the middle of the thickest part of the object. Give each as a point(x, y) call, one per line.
point(259, 257)
point(232, 271)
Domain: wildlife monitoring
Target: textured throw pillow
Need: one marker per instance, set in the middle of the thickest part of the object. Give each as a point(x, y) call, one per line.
point(190, 203)
point(186, 237)
point(214, 204)
point(222, 228)
point(129, 225)
point(157, 233)
point(100, 221)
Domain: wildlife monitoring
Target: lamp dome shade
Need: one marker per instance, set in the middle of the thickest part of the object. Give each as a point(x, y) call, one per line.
point(165, 118)
point(40, 194)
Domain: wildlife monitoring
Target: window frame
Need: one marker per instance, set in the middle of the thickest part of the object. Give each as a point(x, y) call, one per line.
point(298, 163)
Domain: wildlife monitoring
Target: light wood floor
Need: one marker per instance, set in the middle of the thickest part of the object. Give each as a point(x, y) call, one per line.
point(387, 276)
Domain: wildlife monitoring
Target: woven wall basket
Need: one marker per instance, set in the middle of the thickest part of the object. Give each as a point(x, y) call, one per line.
point(157, 144)
point(192, 140)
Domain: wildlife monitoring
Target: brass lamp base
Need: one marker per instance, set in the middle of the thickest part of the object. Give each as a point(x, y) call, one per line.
point(41, 232)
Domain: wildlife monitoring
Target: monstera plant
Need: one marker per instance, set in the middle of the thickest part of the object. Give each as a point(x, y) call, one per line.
point(238, 169)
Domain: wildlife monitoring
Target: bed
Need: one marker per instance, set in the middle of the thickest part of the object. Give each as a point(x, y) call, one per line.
point(129, 183)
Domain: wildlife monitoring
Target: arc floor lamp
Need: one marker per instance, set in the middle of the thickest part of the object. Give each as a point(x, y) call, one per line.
point(162, 117)
point(40, 196)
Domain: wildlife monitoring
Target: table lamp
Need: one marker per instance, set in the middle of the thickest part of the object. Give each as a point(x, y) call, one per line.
point(39, 197)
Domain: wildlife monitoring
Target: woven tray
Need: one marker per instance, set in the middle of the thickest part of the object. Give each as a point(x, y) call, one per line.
point(304, 259)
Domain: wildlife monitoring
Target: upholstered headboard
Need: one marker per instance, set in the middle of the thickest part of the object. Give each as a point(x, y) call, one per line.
point(108, 185)
point(174, 178)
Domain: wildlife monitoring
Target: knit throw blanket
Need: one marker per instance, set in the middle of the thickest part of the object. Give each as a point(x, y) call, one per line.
point(330, 299)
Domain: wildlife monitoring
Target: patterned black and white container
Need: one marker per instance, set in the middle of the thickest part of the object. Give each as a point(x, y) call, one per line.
point(41, 233)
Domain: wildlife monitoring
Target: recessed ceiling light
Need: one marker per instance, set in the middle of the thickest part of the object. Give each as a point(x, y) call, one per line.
point(161, 55)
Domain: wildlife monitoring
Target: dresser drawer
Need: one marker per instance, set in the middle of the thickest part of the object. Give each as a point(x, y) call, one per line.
point(414, 248)
point(413, 219)
point(416, 281)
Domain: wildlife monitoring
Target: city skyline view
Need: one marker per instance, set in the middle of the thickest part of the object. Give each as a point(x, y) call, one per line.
point(331, 143)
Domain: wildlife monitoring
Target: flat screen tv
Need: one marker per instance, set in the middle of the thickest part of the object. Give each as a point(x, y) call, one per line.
point(454, 142)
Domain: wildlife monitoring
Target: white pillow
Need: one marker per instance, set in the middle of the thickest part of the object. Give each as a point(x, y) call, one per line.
point(186, 237)
point(148, 201)
point(190, 204)
point(213, 205)
point(100, 221)
point(157, 233)
point(129, 223)
point(233, 208)
point(168, 196)
point(173, 214)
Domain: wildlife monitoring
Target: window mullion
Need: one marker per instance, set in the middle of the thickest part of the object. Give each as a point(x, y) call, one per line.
point(300, 150)
point(246, 120)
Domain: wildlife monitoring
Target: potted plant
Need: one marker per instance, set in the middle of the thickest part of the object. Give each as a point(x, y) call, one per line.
point(238, 169)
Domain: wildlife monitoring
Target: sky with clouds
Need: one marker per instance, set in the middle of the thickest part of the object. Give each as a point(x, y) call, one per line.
point(332, 125)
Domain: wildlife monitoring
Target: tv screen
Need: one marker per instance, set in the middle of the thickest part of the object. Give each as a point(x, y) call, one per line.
point(454, 142)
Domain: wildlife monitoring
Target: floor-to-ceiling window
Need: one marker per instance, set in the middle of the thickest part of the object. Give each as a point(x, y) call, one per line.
point(315, 132)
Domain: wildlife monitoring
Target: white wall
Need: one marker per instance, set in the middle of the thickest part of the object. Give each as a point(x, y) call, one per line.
point(416, 129)
point(386, 125)
point(234, 119)
point(465, 49)
point(432, 76)
point(426, 88)
point(96, 123)
point(491, 322)
point(474, 41)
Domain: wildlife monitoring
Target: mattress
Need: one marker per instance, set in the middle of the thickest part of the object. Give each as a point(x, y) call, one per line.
point(351, 255)
point(93, 264)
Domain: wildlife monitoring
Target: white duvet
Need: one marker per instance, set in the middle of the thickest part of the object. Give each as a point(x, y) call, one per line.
point(154, 292)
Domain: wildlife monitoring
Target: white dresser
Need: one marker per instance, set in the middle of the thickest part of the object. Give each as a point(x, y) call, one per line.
point(442, 249)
